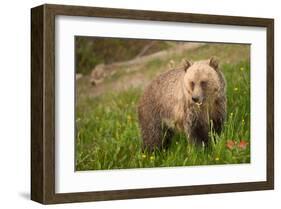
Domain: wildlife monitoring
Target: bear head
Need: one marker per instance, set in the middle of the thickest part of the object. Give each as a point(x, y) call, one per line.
point(201, 80)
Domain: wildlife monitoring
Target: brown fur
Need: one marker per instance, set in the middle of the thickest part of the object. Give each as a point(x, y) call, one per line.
point(168, 104)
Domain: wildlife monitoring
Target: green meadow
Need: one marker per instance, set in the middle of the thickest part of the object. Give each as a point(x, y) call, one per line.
point(107, 129)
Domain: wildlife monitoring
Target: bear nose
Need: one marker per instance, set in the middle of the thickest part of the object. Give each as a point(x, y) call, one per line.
point(195, 99)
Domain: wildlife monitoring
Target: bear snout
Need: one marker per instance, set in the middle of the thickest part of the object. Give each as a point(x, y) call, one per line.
point(197, 99)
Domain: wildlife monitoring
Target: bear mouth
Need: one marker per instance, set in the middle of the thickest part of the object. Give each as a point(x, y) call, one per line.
point(198, 103)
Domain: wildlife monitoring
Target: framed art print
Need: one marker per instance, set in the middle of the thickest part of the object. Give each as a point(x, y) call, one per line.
point(134, 104)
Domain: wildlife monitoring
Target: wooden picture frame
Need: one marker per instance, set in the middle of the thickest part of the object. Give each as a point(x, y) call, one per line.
point(43, 103)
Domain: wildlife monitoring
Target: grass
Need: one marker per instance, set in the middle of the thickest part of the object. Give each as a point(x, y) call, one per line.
point(108, 135)
point(227, 53)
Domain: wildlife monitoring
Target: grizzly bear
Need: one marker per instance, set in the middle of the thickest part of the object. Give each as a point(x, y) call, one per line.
point(189, 99)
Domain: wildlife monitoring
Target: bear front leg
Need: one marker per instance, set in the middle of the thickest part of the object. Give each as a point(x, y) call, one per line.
point(198, 133)
point(167, 135)
point(219, 115)
point(217, 125)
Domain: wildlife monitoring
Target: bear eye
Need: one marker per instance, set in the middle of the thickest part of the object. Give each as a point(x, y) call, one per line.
point(203, 84)
point(192, 84)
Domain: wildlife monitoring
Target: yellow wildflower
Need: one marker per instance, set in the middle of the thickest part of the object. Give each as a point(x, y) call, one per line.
point(152, 158)
point(143, 156)
point(217, 158)
point(235, 89)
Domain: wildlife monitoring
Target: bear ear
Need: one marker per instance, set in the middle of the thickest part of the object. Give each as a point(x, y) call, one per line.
point(186, 64)
point(214, 63)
